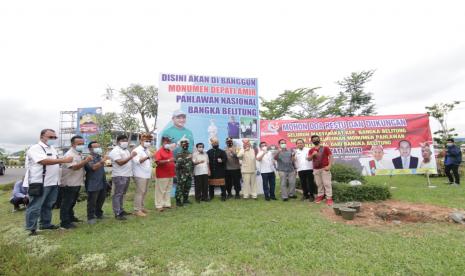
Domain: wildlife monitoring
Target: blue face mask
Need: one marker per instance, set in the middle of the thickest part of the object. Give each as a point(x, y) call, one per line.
point(98, 151)
point(51, 142)
point(80, 148)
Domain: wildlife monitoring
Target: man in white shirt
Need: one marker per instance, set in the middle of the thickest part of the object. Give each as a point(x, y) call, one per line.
point(121, 174)
point(304, 167)
point(71, 181)
point(267, 171)
point(201, 173)
point(142, 170)
point(42, 166)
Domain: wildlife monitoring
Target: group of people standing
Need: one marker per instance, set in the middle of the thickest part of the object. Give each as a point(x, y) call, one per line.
point(224, 168)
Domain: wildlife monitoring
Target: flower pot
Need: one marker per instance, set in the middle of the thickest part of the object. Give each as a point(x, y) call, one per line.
point(347, 213)
point(336, 208)
point(355, 205)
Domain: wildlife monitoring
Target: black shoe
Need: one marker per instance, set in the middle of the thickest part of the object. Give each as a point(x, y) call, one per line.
point(75, 219)
point(187, 201)
point(50, 227)
point(311, 198)
point(274, 198)
point(223, 198)
point(120, 217)
point(69, 226)
point(293, 197)
point(238, 196)
point(285, 199)
point(267, 198)
point(179, 204)
point(124, 213)
point(230, 196)
point(33, 232)
point(100, 217)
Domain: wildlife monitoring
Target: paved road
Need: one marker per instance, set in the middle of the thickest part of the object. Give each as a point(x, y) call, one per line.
point(11, 175)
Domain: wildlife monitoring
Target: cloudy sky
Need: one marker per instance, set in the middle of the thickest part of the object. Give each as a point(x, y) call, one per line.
point(61, 55)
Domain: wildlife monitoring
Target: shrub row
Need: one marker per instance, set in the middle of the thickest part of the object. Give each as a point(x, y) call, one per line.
point(367, 192)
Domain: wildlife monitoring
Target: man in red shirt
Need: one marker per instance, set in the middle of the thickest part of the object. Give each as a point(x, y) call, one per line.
point(164, 173)
point(322, 159)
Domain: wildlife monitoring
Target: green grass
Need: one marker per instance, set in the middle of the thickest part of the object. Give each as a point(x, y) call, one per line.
point(249, 238)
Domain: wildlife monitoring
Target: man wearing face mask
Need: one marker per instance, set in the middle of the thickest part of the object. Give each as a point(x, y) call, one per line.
point(71, 181)
point(217, 161)
point(165, 172)
point(121, 174)
point(248, 169)
point(267, 168)
point(304, 168)
point(96, 183)
point(184, 170)
point(233, 169)
point(286, 171)
point(452, 160)
point(322, 160)
point(201, 173)
point(142, 170)
point(42, 179)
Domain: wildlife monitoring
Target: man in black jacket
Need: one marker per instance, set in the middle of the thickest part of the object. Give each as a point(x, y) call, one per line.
point(217, 161)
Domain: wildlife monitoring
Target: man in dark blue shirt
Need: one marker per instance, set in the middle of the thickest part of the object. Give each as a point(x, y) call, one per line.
point(95, 183)
point(452, 160)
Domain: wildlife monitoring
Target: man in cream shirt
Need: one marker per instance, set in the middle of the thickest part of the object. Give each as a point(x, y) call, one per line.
point(142, 170)
point(71, 181)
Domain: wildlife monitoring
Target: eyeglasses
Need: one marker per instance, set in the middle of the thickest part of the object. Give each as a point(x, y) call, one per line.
point(52, 137)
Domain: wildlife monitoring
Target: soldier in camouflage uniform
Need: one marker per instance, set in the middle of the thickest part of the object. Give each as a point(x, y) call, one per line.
point(184, 172)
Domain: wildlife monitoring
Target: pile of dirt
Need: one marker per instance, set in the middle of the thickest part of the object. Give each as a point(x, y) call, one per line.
point(393, 212)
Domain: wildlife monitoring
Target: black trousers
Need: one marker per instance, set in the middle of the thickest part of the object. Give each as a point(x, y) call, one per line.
point(16, 201)
point(233, 179)
point(201, 187)
point(57, 203)
point(68, 201)
point(307, 181)
point(212, 191)
point(454, 174)
point(95, 202)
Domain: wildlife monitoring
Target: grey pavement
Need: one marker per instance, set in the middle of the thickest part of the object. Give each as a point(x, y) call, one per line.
point(12, 175)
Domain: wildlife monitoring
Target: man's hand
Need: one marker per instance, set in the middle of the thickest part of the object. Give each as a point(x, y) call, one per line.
point(314, 153)
point(220, 160)
point(89, 158)
point(133, 154)
point(327, 168)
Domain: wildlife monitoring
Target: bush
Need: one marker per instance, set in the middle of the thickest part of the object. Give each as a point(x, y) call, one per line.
point(345, 173)
point(344, 192)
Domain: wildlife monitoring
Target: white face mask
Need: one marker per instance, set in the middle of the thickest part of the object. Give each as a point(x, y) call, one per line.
point(449, 144)
point(264, 148)
point(167, 146)
point(147, 144)
point(80, 148)
point(123, 145)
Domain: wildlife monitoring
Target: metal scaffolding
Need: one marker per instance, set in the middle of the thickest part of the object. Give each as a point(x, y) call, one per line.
point(68, 128)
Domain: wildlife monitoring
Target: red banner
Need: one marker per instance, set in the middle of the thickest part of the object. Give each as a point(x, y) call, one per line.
point(378, 145)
